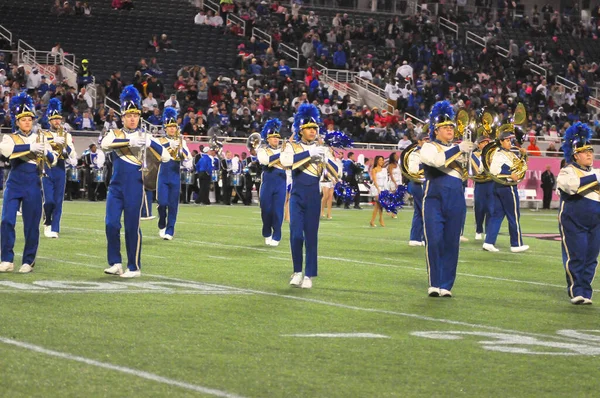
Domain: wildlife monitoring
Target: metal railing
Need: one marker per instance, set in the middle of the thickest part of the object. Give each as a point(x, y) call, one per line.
point(341, 75)
point(364, 83)
point(146, 125)
point(535, 68)
point(262, 35)
point(448, 24)
point(7, 34)
point(234, 19)
point(406, 114)
point(503, 52)
point(290, 53)
point(472, 37)
point(212, 5)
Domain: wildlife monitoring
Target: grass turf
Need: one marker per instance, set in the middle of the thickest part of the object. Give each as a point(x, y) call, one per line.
point(232, 335)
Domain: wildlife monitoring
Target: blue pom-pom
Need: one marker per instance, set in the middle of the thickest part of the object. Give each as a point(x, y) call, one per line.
point(344, 191)
point(391, 202)
point(270, 127)
point(579, 133)
point(337, 139)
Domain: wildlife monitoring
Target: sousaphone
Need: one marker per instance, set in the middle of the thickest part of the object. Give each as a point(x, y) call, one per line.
point(404, 156)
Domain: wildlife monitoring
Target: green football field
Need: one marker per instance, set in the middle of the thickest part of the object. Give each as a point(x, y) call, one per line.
point(213, 315)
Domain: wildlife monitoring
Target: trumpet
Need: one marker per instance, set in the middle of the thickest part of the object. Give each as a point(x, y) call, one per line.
point(60, 132)
point(39, 160)
point(143, 150)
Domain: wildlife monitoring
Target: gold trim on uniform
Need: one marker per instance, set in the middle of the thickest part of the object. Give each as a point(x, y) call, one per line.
point(19, 141)
point(306, 162)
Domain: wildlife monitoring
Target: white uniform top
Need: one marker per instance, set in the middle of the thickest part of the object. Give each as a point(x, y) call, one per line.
point(433, 154)
point(381, 178)
point(99, 159)
point(326, 174)
point(414, 161)
point(308, 165)
point(569, 181)
point(70, 158)
point(264, 154)
point(397, 174)
point(501, 158)
point(121, 146)
point(187, 162)
point(9, 141)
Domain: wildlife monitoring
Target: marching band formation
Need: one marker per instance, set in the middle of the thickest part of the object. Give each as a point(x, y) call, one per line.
point(300, 174)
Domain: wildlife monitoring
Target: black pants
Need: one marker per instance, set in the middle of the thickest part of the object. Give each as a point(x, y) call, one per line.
point(352, 182)
point(227, 192)
point(547, 198)
point(204, 180)
point(250, 182)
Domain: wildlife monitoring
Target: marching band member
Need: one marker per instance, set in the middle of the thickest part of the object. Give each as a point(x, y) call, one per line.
point(126, 189)
point(443, 199)
point(579, 217)
point(54, 185)
point(29, 154)
point(307, 160)
point(169, 181)
point(204, 169)
point(415, 188)
point(94, 160)
point(273, 183)
point(483, 191)
point(505, 197)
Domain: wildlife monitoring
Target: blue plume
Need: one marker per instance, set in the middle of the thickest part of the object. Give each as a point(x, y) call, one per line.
point(344, 191)
point(21, 105)
point(272, 126)
point(54, 109)
point(169, 116)
point(337, 139)
point(306, 113)
point(130, 99)
point(393, 201)
point(441, 111)
point(575, 136)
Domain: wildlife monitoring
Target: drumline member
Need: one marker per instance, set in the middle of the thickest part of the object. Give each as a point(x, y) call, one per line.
point(579, 216)
point(483, 190)
point(169, 177)
point(443, 199)
point(307, 160)
point(415, 188)
point(94, 160)
point(506, 197)
point(126, 189)
point(273, 183)
point(53, 187)
point(29, 154)
point(379, 176)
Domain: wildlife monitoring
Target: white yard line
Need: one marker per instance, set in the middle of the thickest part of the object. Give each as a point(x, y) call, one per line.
point(118, 368)
point(350, 307)
point(341, 335)
point(219, 257)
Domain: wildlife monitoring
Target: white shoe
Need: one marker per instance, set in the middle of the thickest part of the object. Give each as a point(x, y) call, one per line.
point(478, 236)
point(25, 269)
point(54, 235)
point(147, 218)
point(115, 269)
point(578, 300)
point(5, 266)
point(433, 292)
point(445, 293)
point(48, 231)
point(519, 249)
point(162, 232)
point(415, 243)
point(296, 280)
point(131, 274)
point(464, 239)
point(490, 248)
point(587, 301)
point(306, 283)
point(19, 213)
point(274, 243)
point(167, 237)
point(268, 241)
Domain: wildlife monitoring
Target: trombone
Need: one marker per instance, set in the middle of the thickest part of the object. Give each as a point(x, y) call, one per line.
point(39, 160)
point(143, 150)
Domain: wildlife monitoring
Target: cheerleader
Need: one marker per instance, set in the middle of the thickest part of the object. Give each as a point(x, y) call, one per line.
point(395, 175)
point(327, 184)
point(379, 176)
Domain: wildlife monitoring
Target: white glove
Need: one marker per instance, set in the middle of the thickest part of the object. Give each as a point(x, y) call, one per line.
point(138, 142)
point(37, 148)
point(466, 146)
point(60, 140)
point(174, 144)
point(317, 151)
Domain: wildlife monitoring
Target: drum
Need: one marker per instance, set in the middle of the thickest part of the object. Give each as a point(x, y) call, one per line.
point(235, 180)
point(187, 177)
point(215, 175)
point(360, 178)
point(73, 174)
point(98, 175)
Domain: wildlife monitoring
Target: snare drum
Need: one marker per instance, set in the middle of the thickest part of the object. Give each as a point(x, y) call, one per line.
point(98, 175)
point(187, 177)
point(215, 175)
point(73, 174)
point(235, 180)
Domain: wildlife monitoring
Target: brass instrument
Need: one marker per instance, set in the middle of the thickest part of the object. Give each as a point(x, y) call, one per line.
point(519, 160)
point(254, 142)
point(58, 148)
point(464, 132)
point(149, 165)
point(404, 157)
point(40, 158)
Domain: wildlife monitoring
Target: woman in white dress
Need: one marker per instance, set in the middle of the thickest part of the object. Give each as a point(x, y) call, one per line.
point(379, 176)
point(327, 184)
point(395, 175)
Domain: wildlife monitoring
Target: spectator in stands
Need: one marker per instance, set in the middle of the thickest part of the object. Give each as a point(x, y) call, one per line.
point(84, 122)
point(533, 149)
point(150, 102)
point(339, 58)
point(404, 142)
point(156, 87)
point(551, 150)
point(172, 102)
point(58, 53)
point(165, 43)
point(34, 79)
point(156, 118)
point(84, 76)
point(84, 100)
point(214, 20)
point(200, 18)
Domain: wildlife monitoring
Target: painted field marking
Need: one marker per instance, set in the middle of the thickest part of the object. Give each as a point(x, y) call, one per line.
point(118, 368)
point(352, 307)
point(341, 335)
point(219, 257)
